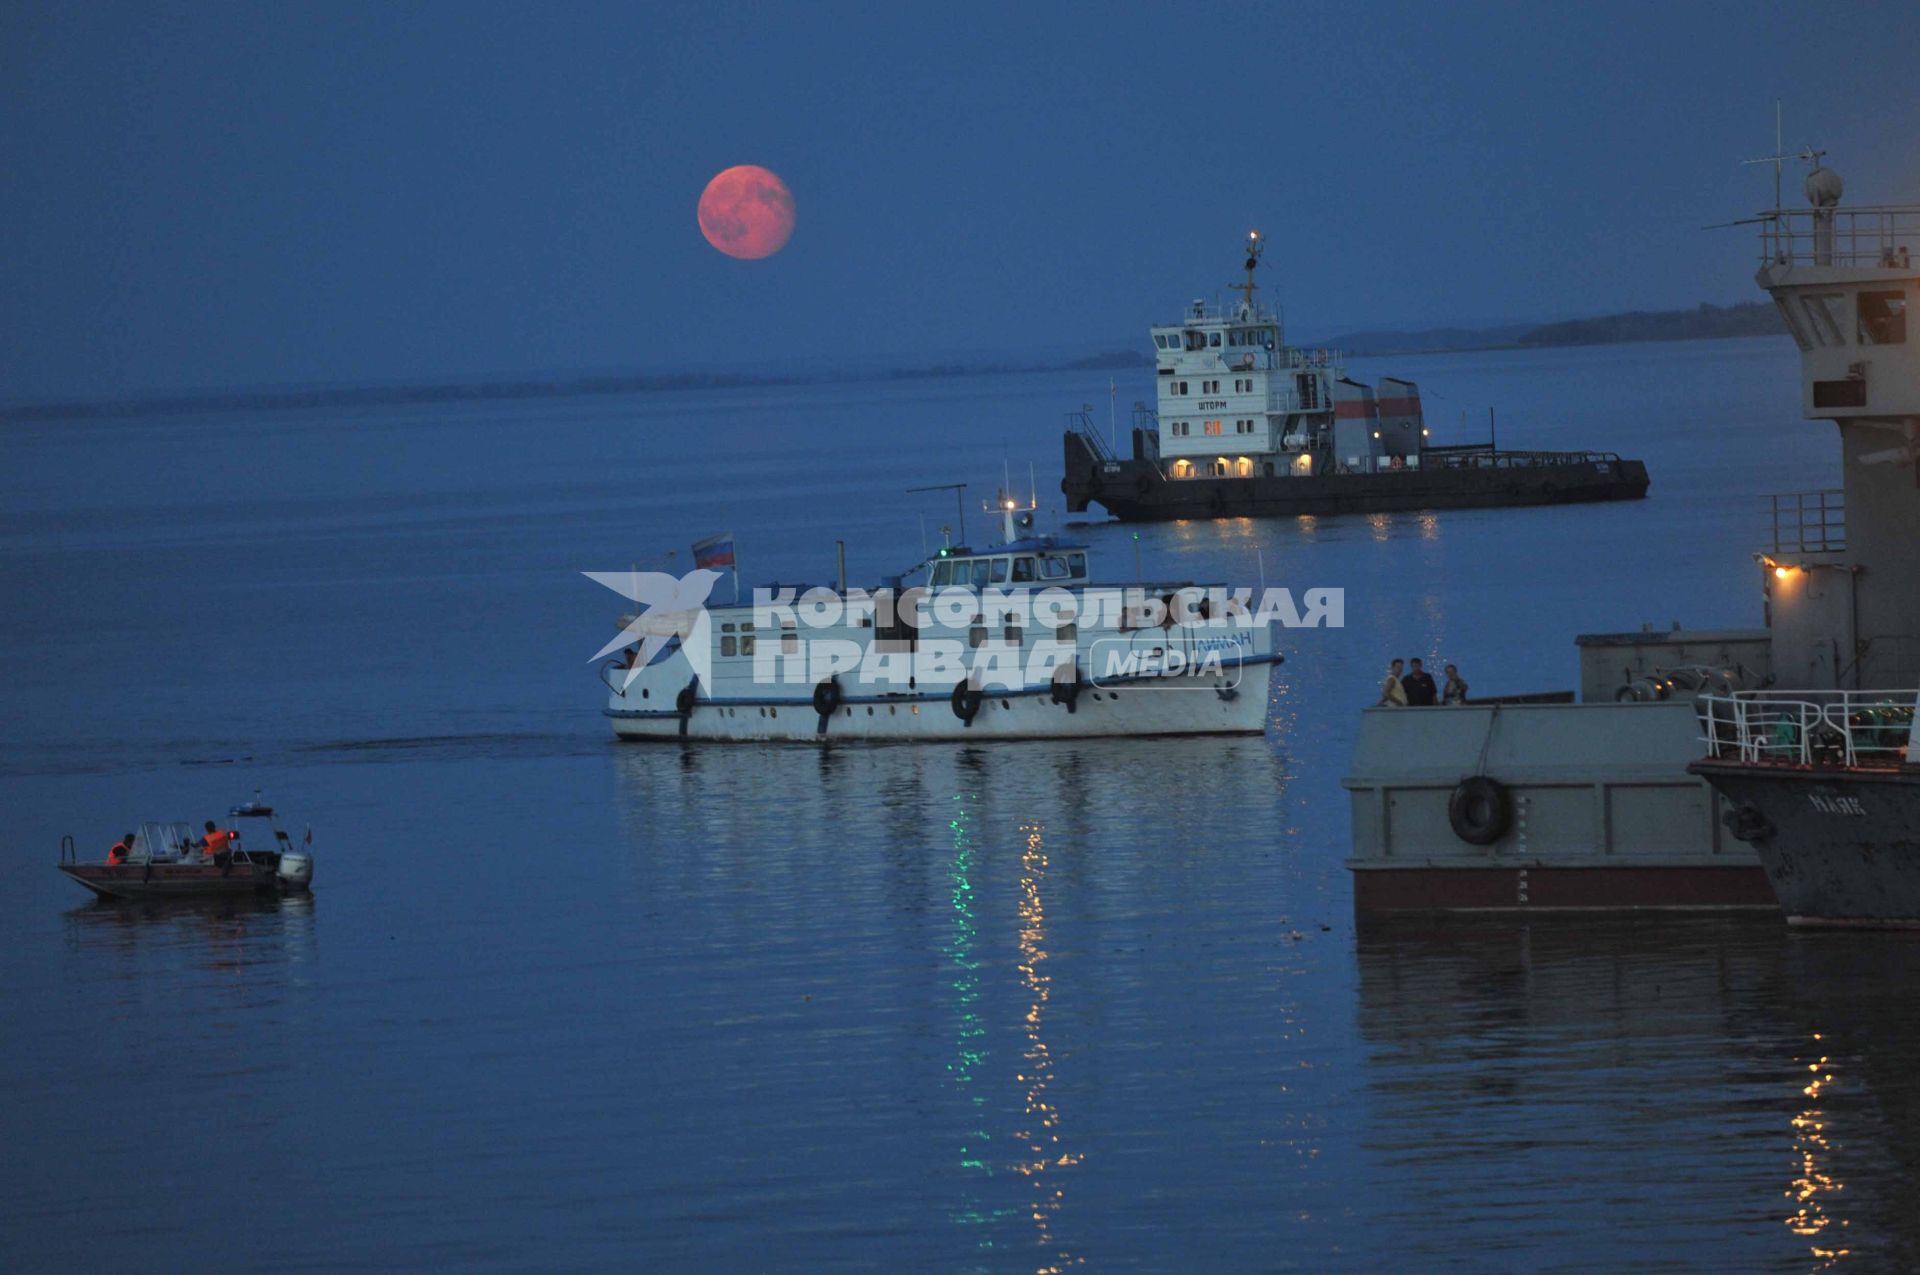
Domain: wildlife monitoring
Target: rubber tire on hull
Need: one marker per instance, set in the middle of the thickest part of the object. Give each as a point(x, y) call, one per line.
point(966, 702)
point(1480, 810)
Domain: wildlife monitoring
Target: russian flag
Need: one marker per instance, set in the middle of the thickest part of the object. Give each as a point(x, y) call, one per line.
point(714, 551)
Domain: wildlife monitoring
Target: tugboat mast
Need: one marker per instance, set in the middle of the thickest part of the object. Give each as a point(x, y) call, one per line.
point(1255, 244)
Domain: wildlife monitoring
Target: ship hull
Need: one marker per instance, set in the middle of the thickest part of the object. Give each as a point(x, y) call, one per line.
point(1230, 703)
point(1550, 888)
point(1136, 491)
point(1839, 847)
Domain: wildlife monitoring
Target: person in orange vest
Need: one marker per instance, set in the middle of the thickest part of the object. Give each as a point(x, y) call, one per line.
point(121, 849)
point(214, 844)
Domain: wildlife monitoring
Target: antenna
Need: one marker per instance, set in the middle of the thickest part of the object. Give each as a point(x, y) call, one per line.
point(959, 491)
point(1255, 244)
point(1780, 155)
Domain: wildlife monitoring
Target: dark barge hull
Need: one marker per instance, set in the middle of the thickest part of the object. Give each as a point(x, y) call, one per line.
point(1839, 846)
point(1558, 888)
point(1135, 490)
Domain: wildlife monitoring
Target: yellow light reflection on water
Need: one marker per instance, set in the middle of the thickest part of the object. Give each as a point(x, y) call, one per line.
point(1046, 1154)
point(1812, 1190)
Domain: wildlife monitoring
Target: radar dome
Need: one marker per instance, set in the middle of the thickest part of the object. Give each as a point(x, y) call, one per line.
point(1823, 188)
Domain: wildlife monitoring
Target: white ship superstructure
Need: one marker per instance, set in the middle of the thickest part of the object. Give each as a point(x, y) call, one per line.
point(1013, 641)
point(1236, 401)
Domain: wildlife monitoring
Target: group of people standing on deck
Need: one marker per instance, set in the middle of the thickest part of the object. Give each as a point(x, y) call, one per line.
point(216, 846)
point(1412, 687)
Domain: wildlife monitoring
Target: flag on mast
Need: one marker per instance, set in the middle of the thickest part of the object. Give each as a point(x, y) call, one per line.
point(714, 551)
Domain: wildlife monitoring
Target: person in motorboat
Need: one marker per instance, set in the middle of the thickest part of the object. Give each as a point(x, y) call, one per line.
point(122, 849)
point(216, 845)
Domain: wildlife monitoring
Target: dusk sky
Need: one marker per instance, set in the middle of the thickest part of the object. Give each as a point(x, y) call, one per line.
point(210, 195)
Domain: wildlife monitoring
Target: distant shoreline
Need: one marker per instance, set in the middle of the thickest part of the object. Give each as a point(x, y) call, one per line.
point(1707, 322)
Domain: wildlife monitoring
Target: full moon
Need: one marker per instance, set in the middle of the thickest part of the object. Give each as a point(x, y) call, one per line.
point(747, 212)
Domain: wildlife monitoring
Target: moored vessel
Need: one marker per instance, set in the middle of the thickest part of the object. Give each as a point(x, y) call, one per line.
point(1825, 786)
point(1249, 426)
point(1612, 791)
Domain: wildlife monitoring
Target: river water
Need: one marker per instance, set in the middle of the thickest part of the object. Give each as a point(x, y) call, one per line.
point(561, 1003)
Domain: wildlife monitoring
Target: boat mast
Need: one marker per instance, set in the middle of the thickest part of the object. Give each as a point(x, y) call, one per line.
point(1255, 244)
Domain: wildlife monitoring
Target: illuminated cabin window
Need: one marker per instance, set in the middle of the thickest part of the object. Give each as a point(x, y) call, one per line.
point(1303, 464)
point(1883, 318)
point(1243, 467)
point(1183, 469)
point(1220, 467)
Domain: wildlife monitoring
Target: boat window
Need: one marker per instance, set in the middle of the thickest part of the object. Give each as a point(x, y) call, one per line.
point(1053, 568)
point(746, 644)
point(726, 628)
point(999, 571)
point(1213, 339)
point(1015, 635)
point(1794, 325)
point(1078, 563)
point(1883, 318)
point(942, 572)
point(1022, 570)
point(976, 635)
point(1825, 315)
point(789, 644)
point(980, 569)
point(1068, 633)
point(729, 645)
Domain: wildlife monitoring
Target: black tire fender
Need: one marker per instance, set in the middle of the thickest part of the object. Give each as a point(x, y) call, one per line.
point(1066, 690)
point(1480, 810)
point(966, 702)
point(826, 697)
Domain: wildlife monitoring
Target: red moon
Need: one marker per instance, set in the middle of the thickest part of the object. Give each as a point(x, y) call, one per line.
point(747, 212)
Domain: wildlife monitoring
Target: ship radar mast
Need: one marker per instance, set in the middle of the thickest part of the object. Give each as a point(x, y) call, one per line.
point(1246, 290)
point(1780, 156)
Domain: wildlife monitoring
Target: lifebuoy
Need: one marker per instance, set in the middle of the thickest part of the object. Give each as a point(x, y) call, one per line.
point(966, 702)
point(1746, 823)
point(826, 697)
point(1480, 810)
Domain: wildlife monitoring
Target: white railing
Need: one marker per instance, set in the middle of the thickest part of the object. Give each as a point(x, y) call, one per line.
point(1809, 522)
point(1887, 237)
point(1869, 729)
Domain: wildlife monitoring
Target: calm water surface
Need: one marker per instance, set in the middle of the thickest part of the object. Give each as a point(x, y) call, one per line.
point(560, 1003)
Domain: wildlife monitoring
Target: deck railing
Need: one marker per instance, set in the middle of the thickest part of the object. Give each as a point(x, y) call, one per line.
point(1861, 729)
point(1809, 522)
point(1886, 236)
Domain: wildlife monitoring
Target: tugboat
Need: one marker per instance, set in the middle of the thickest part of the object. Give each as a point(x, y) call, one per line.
point(1825, 786)
point(166, 861)
point(1250, 426)
point(1607, 803)
point(1013, 641)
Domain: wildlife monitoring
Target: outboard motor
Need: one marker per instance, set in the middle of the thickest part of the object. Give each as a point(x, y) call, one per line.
point(296, 869)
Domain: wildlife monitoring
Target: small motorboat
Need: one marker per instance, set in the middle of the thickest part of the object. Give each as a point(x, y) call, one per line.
point(167, 861)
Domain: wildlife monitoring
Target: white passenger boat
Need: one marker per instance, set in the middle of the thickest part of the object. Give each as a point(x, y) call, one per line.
point(1010, 642)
